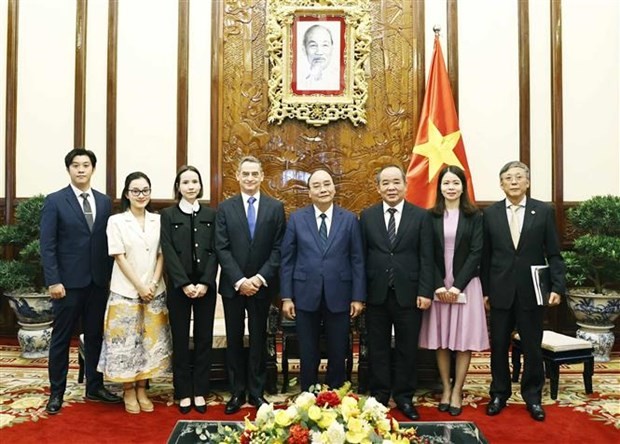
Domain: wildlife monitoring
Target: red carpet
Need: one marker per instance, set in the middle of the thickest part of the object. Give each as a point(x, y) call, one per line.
point(99, 423)
point(574, 418)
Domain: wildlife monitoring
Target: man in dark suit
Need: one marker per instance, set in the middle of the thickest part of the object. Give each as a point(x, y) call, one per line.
point(74, 252)
point(323, 280)
point(518, 232)
point(398, 242)
point(248, 234)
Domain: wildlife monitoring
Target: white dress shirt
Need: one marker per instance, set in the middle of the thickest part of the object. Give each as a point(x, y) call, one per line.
point(328, 220)
point(397, 215)
point(244, 199)
point(520, 213)
point(90, 198)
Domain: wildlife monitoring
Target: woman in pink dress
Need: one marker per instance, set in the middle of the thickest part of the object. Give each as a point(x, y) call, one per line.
point(456, 321)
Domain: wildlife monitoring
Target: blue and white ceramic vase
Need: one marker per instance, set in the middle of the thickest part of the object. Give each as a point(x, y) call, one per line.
point(35, 316)
point(595, 314)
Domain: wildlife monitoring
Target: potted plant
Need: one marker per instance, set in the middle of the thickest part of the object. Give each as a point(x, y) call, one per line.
point(593, 271)
point(21, 278)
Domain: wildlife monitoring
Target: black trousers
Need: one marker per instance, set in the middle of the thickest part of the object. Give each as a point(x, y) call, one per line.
point(87, 304)
point(529, 324)
point(191, 377)
point(406, 322)
point(246, 373)
point(336, 327)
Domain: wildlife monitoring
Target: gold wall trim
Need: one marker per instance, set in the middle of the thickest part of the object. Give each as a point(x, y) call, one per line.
point(322, 107)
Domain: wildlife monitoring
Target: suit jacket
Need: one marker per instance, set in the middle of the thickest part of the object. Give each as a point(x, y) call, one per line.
point(505, 269)
point(176, 245)
point(71, 254)
point(308, 272)
point(411, 257)
point(467, 250)
point(241, 256)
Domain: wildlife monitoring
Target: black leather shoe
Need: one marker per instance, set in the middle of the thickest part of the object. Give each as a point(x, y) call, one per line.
point(409, 411)
point(202, 409)
point(257, 401)
point(495, 406)
point(443, 407)
point(536, 412)
point(54, 404)
point(234, 403)
point(103, 395)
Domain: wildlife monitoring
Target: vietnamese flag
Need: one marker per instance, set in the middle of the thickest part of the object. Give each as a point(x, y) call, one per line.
point(438, 142)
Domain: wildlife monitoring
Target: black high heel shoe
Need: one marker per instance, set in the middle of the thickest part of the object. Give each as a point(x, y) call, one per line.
point(455, 411)
point(443, 407)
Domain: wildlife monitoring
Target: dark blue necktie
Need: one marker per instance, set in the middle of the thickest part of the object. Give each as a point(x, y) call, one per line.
point(251, 216)
point(323, 231)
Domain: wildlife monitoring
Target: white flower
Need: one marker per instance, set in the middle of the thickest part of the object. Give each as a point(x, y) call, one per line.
point(264, 414)
point(335, 433)
point(305, 400)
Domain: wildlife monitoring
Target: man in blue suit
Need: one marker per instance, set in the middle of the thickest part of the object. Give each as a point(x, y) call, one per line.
point(322, 279)
point(74, 252)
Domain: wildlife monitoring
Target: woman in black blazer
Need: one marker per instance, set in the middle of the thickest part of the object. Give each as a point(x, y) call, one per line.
point(188, 244)
point(456, 321)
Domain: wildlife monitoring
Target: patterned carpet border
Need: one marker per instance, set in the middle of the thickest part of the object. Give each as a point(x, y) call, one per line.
point(24, 389)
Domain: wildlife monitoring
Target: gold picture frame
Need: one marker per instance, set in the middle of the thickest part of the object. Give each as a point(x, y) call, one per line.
point(317, 55)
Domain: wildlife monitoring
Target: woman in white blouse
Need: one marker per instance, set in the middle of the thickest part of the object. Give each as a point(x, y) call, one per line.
point(136, 344)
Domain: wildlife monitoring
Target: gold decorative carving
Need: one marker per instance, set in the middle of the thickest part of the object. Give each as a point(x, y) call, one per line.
point(314, 106)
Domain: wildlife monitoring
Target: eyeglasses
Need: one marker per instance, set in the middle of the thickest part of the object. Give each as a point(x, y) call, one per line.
point(145, 192)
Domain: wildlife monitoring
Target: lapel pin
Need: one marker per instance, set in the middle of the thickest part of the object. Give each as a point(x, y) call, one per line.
point(533, 212)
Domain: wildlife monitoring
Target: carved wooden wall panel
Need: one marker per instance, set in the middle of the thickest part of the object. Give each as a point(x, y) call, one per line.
point(292, 150)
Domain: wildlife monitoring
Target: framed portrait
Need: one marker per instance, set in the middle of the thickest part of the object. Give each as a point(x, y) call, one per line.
point(317, 57)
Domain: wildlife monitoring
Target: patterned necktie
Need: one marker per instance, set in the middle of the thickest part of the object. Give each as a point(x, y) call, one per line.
point(515, 233)
point(88, 212)
point(323, 231)
point(251, 216)
point(392, 237)
point(392, 225)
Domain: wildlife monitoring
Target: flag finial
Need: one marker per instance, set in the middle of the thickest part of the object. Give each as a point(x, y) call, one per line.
point(436, 30)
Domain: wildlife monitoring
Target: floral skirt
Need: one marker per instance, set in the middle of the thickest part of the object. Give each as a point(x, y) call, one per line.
point(136, 339)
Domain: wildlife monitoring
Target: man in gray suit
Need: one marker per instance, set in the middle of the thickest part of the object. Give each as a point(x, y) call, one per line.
point(248, 233)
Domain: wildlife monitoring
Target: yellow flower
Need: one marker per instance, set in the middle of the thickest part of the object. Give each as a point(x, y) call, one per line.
point(327, 418)
point(314, 413)
point(349, 407)
point(283, 419)
point(249, 425)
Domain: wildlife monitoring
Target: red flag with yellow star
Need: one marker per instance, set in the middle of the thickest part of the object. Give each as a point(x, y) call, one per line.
point(438, 142)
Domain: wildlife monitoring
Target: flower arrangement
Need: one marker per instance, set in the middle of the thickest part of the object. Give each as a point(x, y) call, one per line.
point(327, 417)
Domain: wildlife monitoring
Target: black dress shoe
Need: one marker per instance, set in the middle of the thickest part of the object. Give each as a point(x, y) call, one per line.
point(54, 404)
point(103, 395)
point(202, 409)
point(443, 407)
point(409, 411)
point(495, 406)
point(234, 403)
point(536, 412)
point(185, 409)
point(257, 401)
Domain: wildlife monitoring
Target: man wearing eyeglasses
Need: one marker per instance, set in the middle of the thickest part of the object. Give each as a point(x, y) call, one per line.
point(74, 252)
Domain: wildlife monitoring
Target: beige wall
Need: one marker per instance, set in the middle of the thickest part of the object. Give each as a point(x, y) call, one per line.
point(147, 54)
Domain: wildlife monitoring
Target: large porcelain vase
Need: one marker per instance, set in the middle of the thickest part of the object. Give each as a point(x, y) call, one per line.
point(595, 314)
point(34, 316)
